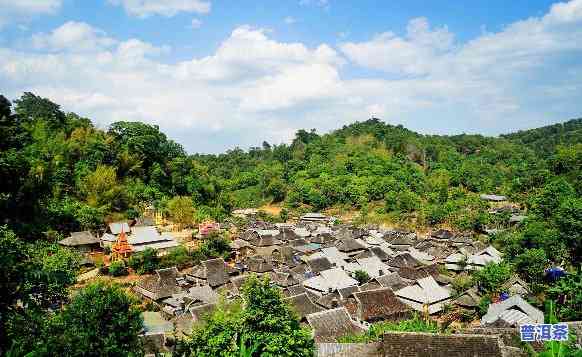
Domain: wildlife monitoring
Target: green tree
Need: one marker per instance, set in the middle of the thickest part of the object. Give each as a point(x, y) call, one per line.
point(181, 210)
point(531, 264)
point(263, 323)
point(567, 292)
point(568, 219)
point(102, 189)
point(492, 276)
point(102, 320)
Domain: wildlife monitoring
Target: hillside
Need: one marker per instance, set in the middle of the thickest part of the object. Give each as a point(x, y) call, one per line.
point(546, 139)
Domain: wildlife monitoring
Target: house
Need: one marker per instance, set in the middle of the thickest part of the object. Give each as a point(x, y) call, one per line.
point(314, 217)
point(418, 272)
point(403, 260)
point(380, 304)
point(259, 264)
point(283, 278)
point(117, 227)
point(464, 261)
point(329, 325)
point(159, 286)
point(493, 198)
point(206, 228)
point(373, 266)
point(391, 280)
point(469, 299)
point(403, 243)
point(144, 237)
point(512, 312)
point(262, 237)
point(442, 234)
point(424, 295)
point(516, 286)
point(330, 280)
point(350, 246)
point(201, 294)
point(318, 263)
point(245, 212)
point(213, 271)
point(303, 305)
point(337, 258)
point(84, 241)
point(242, 249)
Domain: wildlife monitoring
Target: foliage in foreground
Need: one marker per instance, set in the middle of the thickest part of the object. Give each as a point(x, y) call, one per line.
point(262, 324)
point(102, 320)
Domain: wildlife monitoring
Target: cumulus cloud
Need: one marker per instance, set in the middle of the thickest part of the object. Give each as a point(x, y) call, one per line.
point(412, 54)
point(290, 20)
point(75, 36)
point(19, 10)
point(167, 8)
point(255, 88)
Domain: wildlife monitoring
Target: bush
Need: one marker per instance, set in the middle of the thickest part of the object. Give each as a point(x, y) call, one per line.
point(144, 262)
point(117, 268)
point(361, 276)
point(178, 257)
point(492, 276)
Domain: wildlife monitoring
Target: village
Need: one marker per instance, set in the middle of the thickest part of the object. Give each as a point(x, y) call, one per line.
point(339, 278)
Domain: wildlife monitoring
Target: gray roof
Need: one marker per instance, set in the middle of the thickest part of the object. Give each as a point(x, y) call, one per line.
point(145, 234)
point(203, 293)
point(513, 311)
point(329, 325)
point(216, 274)
point(318, 264)
point(424, 291)
point(117, 227)
point(331, 279)
point(349, 245)
point(494, 198)
point(303, 305)
point(380, 304)
point(392, 281)
point(159, 286)
point(155, 245)
point(403, 260)
point(79, 238)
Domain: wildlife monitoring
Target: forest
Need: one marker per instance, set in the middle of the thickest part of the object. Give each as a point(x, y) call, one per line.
point(60, 174)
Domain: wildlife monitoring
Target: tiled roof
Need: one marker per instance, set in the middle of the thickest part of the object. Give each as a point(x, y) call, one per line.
point(380, 304)
point(303, 305)
point(160, 285)
point(79, 238)
point(329, 325)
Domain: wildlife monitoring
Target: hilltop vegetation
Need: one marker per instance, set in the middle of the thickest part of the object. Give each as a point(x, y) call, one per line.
point(61, 174)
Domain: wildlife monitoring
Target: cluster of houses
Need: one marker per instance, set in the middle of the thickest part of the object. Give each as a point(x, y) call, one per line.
point(134, 238)
point(319, 268)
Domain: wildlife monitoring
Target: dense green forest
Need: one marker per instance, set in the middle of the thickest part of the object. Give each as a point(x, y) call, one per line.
point(59, 173)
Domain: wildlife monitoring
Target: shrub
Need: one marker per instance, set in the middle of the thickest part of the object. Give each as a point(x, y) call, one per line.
point(361, 276)
point(117, 268)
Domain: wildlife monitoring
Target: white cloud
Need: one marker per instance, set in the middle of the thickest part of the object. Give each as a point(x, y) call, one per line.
point(75, 36)
point(290, 20)
point(23, 10)
point(196, 23)
point(410, 55)
point(167, 8)
point(255, 88)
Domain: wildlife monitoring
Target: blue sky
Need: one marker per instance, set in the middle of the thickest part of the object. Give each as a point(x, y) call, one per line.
point(218, 74)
